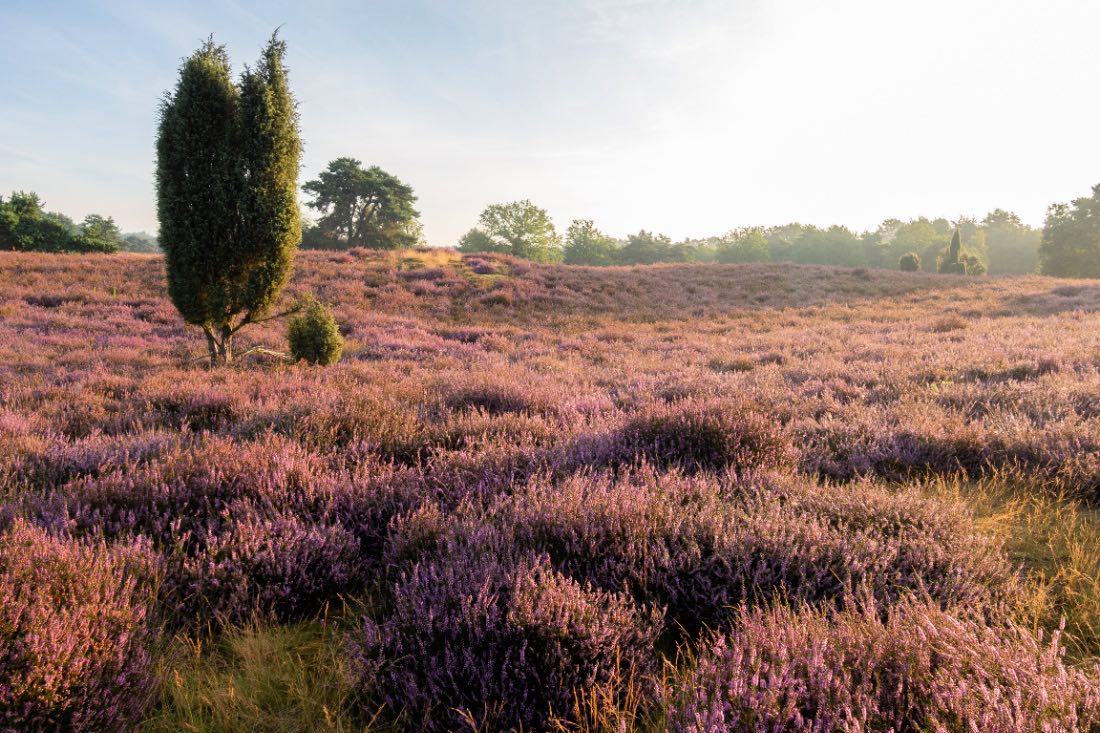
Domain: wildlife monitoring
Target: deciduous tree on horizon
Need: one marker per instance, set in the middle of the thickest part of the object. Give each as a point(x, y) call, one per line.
point(1071, 238)
point(364, 207)
point(518, 228)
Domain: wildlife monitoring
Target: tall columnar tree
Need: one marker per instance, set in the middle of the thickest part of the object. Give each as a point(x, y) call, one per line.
point(952, 261)
point(227, 167)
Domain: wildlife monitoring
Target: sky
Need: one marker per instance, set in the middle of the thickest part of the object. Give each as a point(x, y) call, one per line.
point(685, 117)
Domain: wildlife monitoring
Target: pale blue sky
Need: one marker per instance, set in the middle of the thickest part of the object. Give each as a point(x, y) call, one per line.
point(688, 117)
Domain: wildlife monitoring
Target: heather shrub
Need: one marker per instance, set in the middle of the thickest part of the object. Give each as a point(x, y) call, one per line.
point(313, 335)
point(506, 642)
point(699, 547)
point(266, 527)
point(193, 490)
point(391, 428)
point(76, 640)
point(283, 568)
point(696, 436)
point(494, 399)
point(916, 668)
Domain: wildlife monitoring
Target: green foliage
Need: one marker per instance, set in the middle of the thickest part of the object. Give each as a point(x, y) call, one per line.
point(587, 245)
point(746, 245)
point(26, 227)
point(1013, 246)
point(476, 240)
point(139, 242)
point(518, 228)
point(363, 207)
point(951, 261)
point(955, 260)
point(973, 264)
point(919, 236)
point(909, 262)
point(227, 165)
point(833, 246)
point(1071, 238)
point(100, 234)
point(314, 237)
point(313, 335)
point(646, 248)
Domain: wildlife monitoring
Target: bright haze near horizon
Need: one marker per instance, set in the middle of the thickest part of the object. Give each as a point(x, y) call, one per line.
point(684, 117)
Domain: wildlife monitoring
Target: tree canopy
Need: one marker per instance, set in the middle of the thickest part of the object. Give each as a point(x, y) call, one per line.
point(227, 166)
point(587, 245)
point(25, 226)
point(518, 228)
point(1071, 238)
point(362, 207)
point(745, 245)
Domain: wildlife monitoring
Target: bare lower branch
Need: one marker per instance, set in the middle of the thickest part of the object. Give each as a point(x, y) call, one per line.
point(248, 319)
point(265, 351)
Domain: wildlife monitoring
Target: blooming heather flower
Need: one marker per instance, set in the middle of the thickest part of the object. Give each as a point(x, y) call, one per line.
point(919, 668)
point(506, 641)
point(76, 640)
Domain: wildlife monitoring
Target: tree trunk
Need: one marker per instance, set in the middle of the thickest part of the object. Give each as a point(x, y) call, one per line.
point(220, 350)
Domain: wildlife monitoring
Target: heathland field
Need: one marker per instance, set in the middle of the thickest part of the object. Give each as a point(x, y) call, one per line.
point(539, 497)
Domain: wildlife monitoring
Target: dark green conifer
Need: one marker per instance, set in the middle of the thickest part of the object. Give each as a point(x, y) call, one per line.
point(953, 262)
point(227, 167)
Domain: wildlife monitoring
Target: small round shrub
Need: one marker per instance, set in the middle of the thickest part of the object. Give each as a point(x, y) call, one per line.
point(909, 262)
point(313, 335)
point(917, 668)
point(700, 437)
point(506, 642)
point(76, 641)
point(974, 266)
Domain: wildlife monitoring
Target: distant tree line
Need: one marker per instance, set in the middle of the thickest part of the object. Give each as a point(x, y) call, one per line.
point(361, 206)
point(1000, 243)
point(26, 226)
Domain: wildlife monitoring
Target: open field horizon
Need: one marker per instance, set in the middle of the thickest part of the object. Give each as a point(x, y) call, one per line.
point(567, 498)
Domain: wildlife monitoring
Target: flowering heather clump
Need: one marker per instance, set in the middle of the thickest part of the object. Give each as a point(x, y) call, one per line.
point(506, 641)
point(495, 399)
point(918, 668)
point(76, 642)
point(283, 568)
point(701, 437)
point(699, 547)
point(262, 527)
point(195, 489)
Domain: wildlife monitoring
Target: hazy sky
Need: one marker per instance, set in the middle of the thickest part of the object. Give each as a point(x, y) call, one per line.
point(687, 117)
